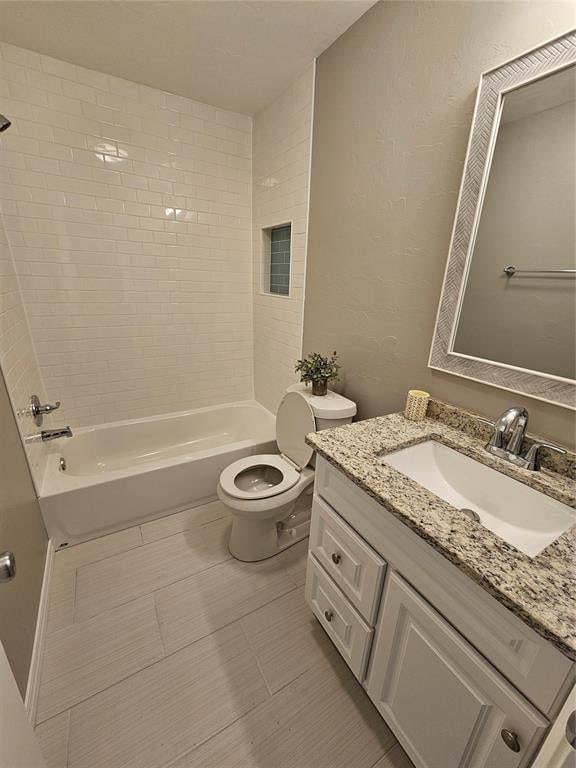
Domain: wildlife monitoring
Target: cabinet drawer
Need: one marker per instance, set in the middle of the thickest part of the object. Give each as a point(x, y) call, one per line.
point(345, 627)
point(446, 704)
point(533, 664)
point(354, 566)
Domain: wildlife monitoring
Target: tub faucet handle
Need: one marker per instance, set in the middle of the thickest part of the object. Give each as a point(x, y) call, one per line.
point(38, 410)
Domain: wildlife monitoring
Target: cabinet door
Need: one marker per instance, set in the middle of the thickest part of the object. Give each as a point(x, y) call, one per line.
point(448, 707)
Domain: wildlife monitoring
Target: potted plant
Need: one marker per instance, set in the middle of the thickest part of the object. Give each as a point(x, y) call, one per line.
point(319, 370)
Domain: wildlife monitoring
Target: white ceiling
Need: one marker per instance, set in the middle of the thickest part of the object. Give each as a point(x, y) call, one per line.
point(234, 54)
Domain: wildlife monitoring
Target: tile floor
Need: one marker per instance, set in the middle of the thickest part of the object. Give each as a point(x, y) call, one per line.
point(164, 652)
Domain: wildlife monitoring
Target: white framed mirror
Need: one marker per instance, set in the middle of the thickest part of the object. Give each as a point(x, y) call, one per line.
point(507, 314)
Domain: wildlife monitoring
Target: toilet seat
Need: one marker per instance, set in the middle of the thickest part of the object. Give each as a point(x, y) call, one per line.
point(228, 477)
point(294, 420)
point(269, 496)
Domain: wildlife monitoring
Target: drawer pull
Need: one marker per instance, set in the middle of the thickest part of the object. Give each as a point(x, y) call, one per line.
point(336, 557)
point(510, 739)
point(328, 615)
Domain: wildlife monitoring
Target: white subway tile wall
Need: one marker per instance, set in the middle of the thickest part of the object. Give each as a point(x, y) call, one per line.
point(128, 211)
point(281, 169)
point(17, 356)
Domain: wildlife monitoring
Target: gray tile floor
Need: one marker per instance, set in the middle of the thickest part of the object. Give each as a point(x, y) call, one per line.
point(164, 652)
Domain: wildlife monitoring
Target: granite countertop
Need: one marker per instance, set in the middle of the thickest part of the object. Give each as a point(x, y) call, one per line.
point(540, 590)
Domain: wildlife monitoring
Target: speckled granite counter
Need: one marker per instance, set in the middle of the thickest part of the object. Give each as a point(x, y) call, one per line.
point(540, 590)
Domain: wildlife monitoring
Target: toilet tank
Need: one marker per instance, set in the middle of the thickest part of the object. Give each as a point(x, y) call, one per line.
point(330, 410)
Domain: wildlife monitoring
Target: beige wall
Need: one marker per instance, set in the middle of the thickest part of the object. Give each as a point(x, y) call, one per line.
point(527, 220)
point(393, 108)
point(21, 532)
point(281, 170)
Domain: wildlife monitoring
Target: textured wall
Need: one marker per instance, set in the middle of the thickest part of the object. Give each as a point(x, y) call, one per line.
point(281, 163)
point(21, 532)
point(393, 108)
point(128, 212)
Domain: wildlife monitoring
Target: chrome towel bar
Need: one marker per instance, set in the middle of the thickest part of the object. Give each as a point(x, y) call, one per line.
point(512, 270)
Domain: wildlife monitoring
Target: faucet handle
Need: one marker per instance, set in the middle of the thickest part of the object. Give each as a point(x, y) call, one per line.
point(48, 408)
point(38, 410)
point(485, 421)
point(532, 455)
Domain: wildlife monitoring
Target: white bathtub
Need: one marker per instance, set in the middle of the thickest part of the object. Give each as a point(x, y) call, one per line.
point(126, 472)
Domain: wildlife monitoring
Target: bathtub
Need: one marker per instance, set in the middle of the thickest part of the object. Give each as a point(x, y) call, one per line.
point(127, 472)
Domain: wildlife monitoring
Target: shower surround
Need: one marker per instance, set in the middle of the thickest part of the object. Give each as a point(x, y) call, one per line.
point(17, 355)
point(131, 254)
point(128, 211)
point(281, 170)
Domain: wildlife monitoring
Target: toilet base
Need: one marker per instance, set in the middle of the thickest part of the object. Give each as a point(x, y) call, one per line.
point(253, 540)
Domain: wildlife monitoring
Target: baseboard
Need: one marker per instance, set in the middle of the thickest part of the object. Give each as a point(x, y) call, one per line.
point(32, 688)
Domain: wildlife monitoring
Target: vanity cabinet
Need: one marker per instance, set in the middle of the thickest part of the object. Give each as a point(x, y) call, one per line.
point(460, 680)
point(447, 705)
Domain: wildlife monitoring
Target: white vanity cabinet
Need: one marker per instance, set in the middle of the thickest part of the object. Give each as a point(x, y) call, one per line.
point(461, 681)
point(447, 705)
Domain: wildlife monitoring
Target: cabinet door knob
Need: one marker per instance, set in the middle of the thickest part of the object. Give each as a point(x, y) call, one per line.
point(328, 615)
point(336, 557)
point(510, 739)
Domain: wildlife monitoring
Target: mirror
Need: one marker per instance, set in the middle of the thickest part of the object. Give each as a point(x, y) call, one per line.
point(519, 302)
point(507, 314)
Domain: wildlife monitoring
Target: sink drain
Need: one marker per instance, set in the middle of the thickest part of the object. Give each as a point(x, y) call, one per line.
point(471, 514)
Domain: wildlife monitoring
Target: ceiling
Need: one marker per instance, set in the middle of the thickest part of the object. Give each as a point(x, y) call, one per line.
point(233, 54)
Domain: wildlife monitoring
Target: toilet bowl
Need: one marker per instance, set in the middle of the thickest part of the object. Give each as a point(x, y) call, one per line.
point(270, 495)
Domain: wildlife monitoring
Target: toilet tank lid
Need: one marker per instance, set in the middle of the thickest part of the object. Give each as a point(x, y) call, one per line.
point(329, 406)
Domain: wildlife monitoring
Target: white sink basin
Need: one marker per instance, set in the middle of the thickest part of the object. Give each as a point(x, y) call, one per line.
point(525, 518)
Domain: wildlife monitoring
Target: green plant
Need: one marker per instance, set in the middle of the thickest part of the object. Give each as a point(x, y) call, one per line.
point(316, 368)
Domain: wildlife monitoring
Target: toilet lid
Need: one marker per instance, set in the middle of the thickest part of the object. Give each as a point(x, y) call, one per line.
point(294, 420)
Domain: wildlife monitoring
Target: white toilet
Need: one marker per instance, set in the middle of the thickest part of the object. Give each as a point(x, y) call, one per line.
point(270, 495)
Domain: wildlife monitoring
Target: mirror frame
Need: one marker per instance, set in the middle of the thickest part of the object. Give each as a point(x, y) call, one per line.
point(494, 84)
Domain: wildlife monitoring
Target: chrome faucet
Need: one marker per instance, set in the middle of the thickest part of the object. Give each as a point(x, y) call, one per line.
point(508, 436)
point(55, 434)
point(38, 411)
point(509, 430)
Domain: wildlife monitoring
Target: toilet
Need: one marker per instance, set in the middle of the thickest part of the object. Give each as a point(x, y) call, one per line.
point(270, 495)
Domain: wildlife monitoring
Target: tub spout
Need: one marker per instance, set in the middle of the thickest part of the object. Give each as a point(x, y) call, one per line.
point(55, 434)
